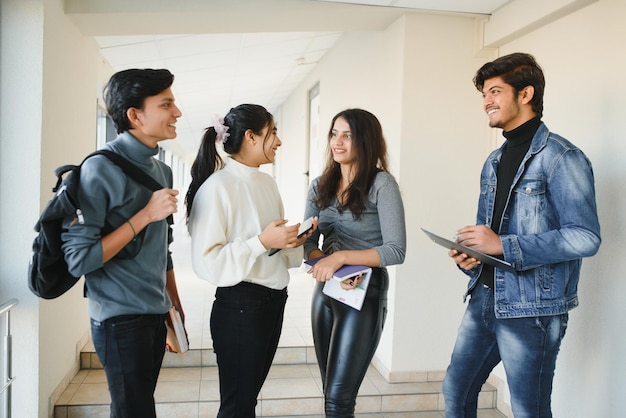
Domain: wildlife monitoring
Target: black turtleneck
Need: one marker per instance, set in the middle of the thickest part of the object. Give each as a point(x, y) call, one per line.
point(517, 144)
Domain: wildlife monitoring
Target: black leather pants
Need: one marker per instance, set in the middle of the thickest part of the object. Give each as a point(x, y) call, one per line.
point(345, 342)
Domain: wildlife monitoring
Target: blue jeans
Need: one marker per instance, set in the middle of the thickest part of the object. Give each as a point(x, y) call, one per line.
point(246, 323)
point(131, 350)
point(527, 347)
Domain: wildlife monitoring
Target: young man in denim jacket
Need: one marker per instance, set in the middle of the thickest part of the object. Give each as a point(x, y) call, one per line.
point(537, 211)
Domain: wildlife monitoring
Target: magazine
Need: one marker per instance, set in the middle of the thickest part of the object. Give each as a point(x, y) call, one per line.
point(352, 297)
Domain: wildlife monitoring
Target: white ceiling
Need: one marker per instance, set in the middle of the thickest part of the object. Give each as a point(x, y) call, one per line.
point(216, 71)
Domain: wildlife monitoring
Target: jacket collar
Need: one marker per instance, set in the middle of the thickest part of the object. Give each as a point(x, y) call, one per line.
point(539, 141)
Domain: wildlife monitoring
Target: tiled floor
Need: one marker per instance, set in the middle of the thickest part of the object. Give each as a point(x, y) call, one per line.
point(293, 387)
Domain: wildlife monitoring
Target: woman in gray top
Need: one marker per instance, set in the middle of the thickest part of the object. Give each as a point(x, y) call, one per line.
point(361, 219)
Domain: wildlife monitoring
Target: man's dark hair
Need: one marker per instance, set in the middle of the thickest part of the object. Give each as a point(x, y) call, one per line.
point(518, 70)
point(129, 88)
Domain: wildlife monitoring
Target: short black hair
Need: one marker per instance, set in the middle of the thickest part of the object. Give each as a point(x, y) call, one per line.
point(518, 70)
point(129, 88)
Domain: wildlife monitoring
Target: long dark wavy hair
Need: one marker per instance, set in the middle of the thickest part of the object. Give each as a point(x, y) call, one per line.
point(371, 158)
point(239, 119)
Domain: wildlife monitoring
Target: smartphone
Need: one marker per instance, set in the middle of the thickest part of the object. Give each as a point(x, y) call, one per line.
point(305, 227)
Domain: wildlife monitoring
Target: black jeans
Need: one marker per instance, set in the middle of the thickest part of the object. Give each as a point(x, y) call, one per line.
point(131, 350)
point(246, 322)
point(345, 342)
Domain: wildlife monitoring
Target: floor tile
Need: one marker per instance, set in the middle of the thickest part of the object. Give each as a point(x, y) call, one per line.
point(89, 411)
point(178, 409)
point(186, 391)
point(410, 402)
point(209, 390)
point(169, 374)
point(485, 413)
point(91, 393)
point(95, 376)
point(210, 373)
point(368, 404)
point(288, 388)
point(307, 406)
point(290, 371)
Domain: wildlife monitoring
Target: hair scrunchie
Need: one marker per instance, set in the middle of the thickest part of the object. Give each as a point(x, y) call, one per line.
point(220, 129)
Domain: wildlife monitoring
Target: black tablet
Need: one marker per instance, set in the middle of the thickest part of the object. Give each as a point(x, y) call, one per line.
point(483, 258)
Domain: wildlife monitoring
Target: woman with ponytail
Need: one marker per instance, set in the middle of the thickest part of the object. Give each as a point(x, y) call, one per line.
point(235, 216)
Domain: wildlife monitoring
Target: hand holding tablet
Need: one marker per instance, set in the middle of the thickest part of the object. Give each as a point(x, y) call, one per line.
point(305, 227)
point(483, 258)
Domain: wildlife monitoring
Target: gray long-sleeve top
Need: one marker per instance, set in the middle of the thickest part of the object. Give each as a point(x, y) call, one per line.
point(381, 225)
point(107, 195)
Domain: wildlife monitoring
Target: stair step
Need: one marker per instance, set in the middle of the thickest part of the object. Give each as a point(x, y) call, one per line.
point(188, 387)
point(206, 357)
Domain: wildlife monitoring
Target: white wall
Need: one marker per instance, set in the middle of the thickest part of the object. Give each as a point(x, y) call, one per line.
point(21, 38)
point(48, 83)
point(71, 70)
point(443, 144)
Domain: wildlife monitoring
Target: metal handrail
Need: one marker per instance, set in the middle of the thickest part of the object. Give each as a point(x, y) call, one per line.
point(7, 306)
point(7, 380)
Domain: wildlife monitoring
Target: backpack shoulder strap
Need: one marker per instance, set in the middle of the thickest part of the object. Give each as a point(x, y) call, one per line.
point(130, 169)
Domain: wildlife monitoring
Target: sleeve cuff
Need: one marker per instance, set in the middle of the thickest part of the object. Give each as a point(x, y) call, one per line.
point(256, 247)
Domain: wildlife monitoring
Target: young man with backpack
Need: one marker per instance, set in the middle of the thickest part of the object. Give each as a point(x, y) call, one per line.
point(120, 243)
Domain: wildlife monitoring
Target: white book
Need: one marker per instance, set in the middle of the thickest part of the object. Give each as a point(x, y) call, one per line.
point(332, 288)
point(176, 333)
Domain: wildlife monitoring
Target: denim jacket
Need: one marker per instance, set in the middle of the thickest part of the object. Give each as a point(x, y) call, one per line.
point(549, 223)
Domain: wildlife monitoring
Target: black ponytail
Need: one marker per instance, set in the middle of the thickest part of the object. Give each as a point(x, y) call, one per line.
point(207, 162)
point(238, 120)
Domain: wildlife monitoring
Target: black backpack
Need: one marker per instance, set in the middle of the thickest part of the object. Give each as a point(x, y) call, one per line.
point(48, 275)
